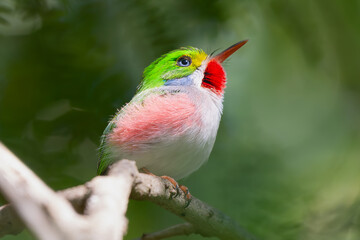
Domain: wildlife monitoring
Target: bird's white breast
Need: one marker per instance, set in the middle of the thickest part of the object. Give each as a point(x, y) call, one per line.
point(175, 149)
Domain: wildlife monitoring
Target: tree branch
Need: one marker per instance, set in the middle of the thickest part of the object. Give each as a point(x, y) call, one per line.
point(207, 221)
point(50, 216)
point(177, 230)
point(99, 206)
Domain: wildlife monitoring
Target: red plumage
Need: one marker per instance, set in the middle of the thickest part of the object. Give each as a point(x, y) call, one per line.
point(214, 77)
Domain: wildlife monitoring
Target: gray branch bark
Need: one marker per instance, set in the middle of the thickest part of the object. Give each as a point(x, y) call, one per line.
point(177, 230)
point(96, 210)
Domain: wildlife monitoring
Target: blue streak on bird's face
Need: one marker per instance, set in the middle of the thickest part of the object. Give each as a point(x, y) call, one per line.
point(185, 81)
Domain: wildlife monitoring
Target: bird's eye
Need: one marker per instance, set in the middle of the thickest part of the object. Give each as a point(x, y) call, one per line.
point(184, 61)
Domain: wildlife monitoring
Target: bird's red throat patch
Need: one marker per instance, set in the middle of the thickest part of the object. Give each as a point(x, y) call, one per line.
point(214, 77)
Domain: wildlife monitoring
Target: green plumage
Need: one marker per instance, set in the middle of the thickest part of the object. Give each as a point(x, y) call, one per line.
point(104, 151)
point(165, 68)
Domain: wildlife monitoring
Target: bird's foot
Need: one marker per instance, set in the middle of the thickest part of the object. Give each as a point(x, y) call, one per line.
point(177, 187)
point(187, 195)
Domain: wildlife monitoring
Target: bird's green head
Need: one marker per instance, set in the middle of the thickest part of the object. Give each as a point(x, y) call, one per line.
point(187, 66)
point(176, 64)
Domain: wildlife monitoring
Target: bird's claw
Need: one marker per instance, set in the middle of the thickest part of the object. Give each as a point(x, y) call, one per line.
point(175, 185)
point(176, 192)
point(188, 196)
point(178, 187)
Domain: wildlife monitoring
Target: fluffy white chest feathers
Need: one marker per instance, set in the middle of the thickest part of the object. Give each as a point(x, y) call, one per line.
point(170, 131)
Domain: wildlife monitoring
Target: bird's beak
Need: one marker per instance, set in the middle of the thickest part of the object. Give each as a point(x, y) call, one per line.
point(227, 52)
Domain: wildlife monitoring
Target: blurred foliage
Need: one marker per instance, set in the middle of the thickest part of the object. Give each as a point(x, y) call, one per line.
point(287, 157)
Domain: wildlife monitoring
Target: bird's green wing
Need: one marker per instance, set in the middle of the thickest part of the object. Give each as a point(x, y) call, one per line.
point(104, 151)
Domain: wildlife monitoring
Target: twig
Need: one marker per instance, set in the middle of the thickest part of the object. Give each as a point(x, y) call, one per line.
point(176, 230)
point(207, 221)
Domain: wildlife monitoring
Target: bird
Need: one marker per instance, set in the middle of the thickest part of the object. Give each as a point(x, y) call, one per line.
point(169, 127)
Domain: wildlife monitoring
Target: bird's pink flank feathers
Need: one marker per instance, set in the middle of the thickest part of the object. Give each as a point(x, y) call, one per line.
point(155, 118)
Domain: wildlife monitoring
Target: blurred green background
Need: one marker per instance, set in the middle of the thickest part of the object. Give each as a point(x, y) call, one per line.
point(286, 162)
